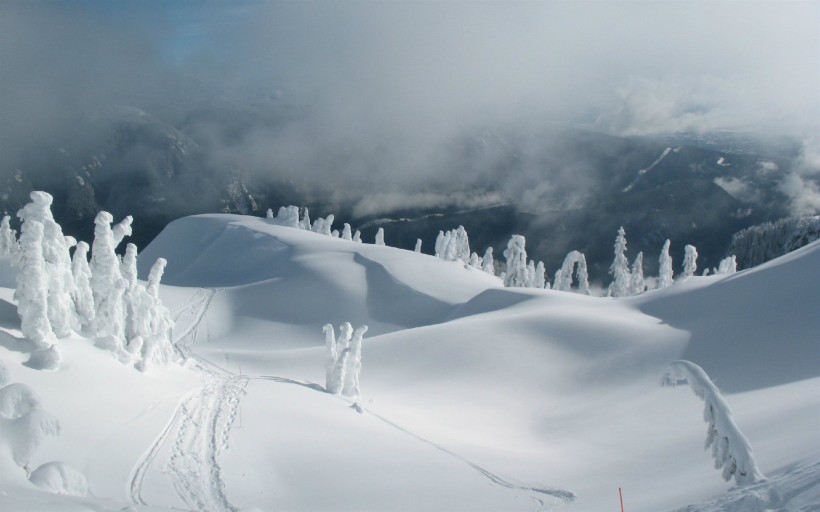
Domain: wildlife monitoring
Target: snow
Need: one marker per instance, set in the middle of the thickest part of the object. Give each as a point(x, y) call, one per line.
point(474, 396)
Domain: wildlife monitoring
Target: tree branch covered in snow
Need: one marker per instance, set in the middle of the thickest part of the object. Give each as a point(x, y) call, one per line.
point(730, 448)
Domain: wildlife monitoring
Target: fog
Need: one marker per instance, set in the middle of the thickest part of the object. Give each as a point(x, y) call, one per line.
point(387, 90)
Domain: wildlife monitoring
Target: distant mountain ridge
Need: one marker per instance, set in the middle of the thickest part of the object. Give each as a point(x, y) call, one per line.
point(563, 188)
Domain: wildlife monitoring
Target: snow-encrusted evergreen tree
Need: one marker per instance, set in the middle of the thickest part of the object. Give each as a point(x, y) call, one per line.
point(418, 245)
point(516, 255)
point(8, 238)
point(357, 236)
point(305, 222)
point(31, 293)
point(461, 245)
point(121, 230)
point(380, 236)
point(530, 279)
point(690, 261)
point(346, 232)
point(730, 448)
point(665, 278)
point(57, 261)
point(727, 265)
point(343, 359)
point(620, 268)
point(439, 248)
point(563, 277)
point(475, 261)
point(487, 263)
point(540, 275)
point(269, 214)
point(105, 272)
point(83, 296)
point(287, 216)
point(637, 285)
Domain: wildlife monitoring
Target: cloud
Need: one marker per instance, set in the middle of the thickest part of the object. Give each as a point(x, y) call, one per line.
point(386, 91)
point(802, 185)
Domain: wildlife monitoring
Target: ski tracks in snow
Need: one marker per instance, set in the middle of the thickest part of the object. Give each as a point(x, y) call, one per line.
point(200, 425)
point(207, 416)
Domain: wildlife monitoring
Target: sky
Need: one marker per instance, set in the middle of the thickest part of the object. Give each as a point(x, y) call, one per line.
point(376, 72)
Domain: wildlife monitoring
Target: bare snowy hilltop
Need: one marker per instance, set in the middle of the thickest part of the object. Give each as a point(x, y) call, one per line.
point(461, 393)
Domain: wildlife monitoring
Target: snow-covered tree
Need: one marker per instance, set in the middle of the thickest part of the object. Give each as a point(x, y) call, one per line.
point(121, 230)
point(354, 364)
point(83, 296)
point(153, 335)
point(563, 277)
point(380, 236)
point(730, 448)
point(727, 265)
point(418, 245)
point(346, 232)
point(128, 269)
point(8, 238)
point(690, 261)
point(105, 272)
point(439, 249)
point(637, 285)
point(269, 214)
point(305, 222)
point(324, 226)
point(540, 280)
point(620, 268)
point(516, 255)
point(487, 263)
point(287, 216)
point(665, 274)
point(460, 243)
point(530, 279)
point(357, 237)
point(57, 261)
point(475, 261)
point(343, 359)
point(31, 293)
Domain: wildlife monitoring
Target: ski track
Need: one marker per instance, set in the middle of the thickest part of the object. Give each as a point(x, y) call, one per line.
point(562, 495)
point(203, 420)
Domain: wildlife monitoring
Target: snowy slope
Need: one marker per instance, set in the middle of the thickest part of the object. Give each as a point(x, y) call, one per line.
point(475, 397)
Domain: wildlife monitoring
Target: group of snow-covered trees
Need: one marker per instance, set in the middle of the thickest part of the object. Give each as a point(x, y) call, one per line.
point(58, 293)
point(626, 281)
point(289, 216)
point(343, 360)
point(454, 245)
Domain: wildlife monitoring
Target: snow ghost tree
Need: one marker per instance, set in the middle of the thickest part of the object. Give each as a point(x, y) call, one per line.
point(516, 255)
point(32, 287)
point(730, 448)
point(380, 236)
point(637, 285)
point(487, 263)
point(530, 279)
point(305, 222)
point(461, 245)
point(8, 238)
point(346, 233)
point(439, 249)
point(343, 360)
point(690, 261)
point(269, 214)
point(418, 245)
point(475, 261)
point(287, 216)
point(727, 265)
point(83, 296)
point(665, 274)
point(323, 226)
point(357, 237)
point(540, 275)
point(105, 272)
point(620, 268)
point(57, 259)
point(563, 278)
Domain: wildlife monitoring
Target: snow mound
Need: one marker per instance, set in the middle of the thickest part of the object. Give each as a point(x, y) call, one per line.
point(60, 478)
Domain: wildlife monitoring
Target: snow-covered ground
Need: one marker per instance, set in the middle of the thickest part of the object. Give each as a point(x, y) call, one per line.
point(474, 396)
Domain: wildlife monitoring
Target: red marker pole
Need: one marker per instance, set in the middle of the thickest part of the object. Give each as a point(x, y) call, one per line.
point(621, 495)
